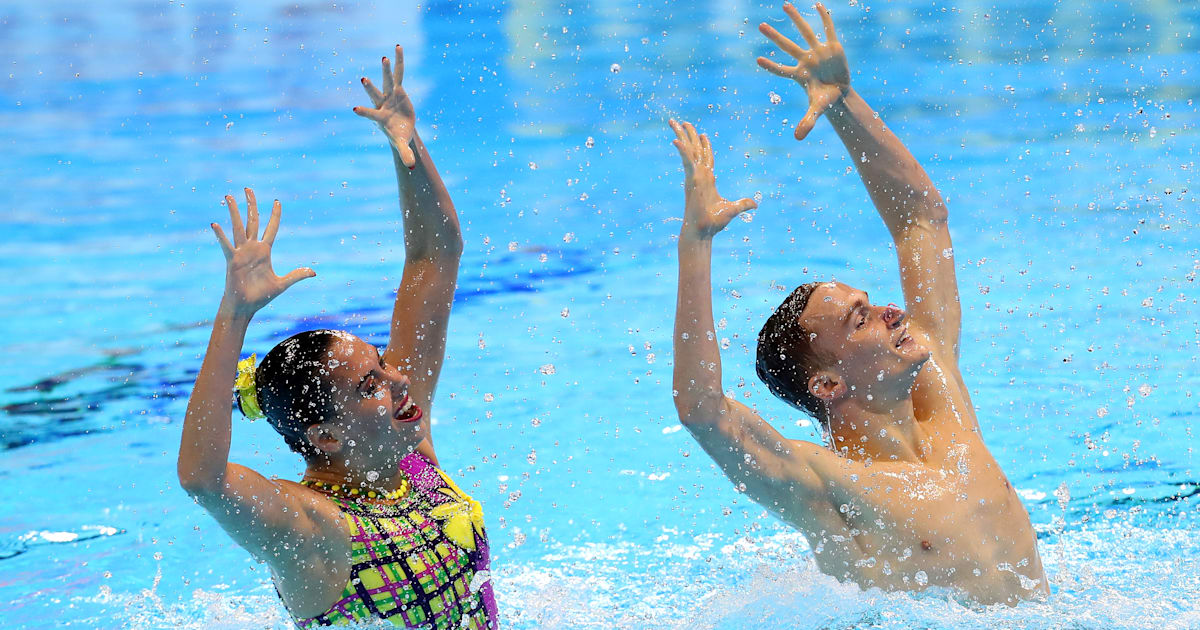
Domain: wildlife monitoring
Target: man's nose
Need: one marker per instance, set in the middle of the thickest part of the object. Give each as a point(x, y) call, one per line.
point(893, 315)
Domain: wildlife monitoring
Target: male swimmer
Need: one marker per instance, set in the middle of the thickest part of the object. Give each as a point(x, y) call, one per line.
point(373, 530)
point(907, 495)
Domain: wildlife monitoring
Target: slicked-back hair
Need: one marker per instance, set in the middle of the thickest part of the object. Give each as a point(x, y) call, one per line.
point(786, 358)
point(294, 392)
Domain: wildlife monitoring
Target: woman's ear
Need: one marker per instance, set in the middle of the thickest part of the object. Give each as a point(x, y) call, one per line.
point(324, 438)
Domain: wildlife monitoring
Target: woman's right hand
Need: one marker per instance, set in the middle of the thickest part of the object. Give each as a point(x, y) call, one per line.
point(393, 110)
point(250, 281)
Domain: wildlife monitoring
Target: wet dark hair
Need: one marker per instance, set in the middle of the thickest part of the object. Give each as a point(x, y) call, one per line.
point(292, 390)
point(786, 358)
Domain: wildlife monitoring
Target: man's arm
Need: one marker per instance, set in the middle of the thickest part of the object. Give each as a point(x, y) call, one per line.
point(913, 210)
point(432, 246)
point(260, 514)
point(902, 192)
point(763, 463)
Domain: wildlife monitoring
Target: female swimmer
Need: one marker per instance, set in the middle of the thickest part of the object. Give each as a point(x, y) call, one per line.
point(373, 530)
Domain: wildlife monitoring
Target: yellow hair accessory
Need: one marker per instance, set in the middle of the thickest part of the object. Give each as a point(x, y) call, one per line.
point(246, 389)
point(463, 515)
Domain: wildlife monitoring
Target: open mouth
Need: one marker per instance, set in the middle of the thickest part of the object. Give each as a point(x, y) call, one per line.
point(408, 411)
point(904, 338)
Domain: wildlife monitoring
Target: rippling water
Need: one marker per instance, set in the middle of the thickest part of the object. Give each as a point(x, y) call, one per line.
point(1062, 134)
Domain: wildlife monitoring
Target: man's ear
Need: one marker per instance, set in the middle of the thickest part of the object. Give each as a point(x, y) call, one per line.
point(324, 438)
point(826, 386)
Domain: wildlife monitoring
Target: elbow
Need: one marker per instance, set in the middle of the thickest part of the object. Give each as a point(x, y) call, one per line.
point(445, 250)
point(196, 483)
point(699, 407)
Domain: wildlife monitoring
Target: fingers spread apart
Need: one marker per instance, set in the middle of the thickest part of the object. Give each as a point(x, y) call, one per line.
point(251, 216)
point(235, 218)
point(776, 69)
point(785, 44)
point(387, 76)
point(296, 275)
point(399, 70)
point(370, 113)
point(805, 30)
point(226, 246)
point(272, 224)
point(372, 92)
point(827, 20)
point(687, 141)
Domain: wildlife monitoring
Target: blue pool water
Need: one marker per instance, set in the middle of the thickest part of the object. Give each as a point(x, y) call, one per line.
point(1062, 134)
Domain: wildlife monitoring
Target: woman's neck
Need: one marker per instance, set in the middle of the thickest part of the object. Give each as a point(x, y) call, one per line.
point(385, 479)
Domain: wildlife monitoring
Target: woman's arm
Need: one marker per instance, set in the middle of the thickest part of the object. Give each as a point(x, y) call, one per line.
point(432, 245)
point(258, 513)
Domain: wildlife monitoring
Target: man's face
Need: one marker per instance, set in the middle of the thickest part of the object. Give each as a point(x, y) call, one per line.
point(371, 405)
point(870, 346)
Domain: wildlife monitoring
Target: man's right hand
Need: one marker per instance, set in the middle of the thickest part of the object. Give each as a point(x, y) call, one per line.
point(705, 212)
point(822, 71)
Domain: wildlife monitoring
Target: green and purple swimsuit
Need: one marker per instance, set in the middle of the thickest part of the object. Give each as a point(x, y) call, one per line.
point(419, 563)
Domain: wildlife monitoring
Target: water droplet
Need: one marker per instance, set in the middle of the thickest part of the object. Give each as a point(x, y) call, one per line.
point(921, 578)
point(775, 98)
point(590, 142)
point(488, 398)
point(615, 68)
point(532, 457)
point(548, 369)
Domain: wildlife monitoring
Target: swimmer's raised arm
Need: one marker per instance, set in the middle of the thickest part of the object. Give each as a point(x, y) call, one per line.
point(432, 245)
point(906, 199)
point(771, 468)
point(254, 510)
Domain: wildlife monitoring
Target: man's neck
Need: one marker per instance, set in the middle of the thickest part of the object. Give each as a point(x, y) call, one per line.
point(877, 434)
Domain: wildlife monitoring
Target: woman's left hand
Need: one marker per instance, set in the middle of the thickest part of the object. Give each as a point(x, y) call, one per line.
point(393, 110)
point(250, 281)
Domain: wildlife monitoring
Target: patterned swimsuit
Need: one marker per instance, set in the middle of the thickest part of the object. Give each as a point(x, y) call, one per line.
point(419, 563)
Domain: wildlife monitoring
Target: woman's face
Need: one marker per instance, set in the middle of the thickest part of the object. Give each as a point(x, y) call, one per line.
point(376, 421)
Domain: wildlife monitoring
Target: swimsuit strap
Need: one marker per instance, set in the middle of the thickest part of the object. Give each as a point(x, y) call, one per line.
point(424, 477)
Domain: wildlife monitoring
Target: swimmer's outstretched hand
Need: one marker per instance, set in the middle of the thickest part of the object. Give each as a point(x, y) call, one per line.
point(393, 110)
point(705, 211)
point(250, 281)
point(822, 71)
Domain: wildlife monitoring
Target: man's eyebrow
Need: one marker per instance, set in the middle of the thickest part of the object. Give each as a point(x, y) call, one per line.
point(858, 304)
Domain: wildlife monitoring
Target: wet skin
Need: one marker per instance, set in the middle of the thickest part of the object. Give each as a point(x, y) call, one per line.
point(379, 400)
point(885, 511)
point(906, 495)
